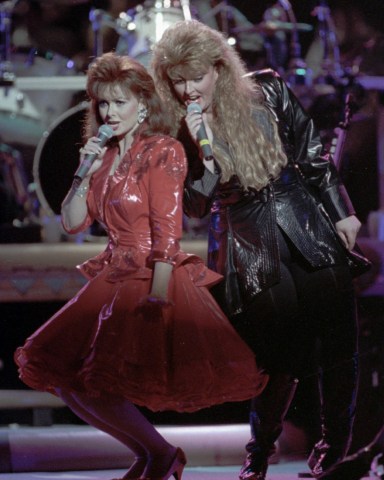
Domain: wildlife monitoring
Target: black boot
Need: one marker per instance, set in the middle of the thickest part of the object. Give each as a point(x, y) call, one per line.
point(338, 408)
point(266, 420)
point(357, 465)
point(330, 450)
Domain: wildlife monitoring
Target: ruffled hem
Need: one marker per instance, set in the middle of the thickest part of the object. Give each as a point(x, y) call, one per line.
point(182, 387)
point(186, 358)
point(189, 389)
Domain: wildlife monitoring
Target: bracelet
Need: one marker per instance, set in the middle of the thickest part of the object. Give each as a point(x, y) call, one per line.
point(81, 191)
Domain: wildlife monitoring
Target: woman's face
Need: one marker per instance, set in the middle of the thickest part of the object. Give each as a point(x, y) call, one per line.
point(119, 110)
point(197, 88)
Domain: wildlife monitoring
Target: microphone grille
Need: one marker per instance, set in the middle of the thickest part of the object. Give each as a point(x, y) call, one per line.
point(194, 107)
point(106, 130)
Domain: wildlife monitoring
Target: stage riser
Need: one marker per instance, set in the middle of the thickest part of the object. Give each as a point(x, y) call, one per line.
point(83, 448)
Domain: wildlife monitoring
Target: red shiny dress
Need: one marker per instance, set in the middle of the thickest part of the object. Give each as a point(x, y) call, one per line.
point(187, 358)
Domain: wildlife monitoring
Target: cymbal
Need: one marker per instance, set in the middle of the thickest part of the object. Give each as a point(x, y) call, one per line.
point(272, 26)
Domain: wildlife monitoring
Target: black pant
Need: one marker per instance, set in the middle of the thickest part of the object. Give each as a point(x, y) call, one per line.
point(308, 308)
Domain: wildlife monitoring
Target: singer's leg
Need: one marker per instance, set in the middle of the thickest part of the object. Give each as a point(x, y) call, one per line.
point(122, 416)
point(141, 455)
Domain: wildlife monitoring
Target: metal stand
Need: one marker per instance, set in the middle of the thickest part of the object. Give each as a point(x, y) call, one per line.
point(298, 74)
point(331, 66)
point(186, 9)
point(7, 75)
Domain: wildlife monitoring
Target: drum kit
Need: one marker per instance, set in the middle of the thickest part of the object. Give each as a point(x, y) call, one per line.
point(36, 87)
point(36, 91)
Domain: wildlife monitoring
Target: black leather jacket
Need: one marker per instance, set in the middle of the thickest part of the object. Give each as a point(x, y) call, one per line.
point(306, 201)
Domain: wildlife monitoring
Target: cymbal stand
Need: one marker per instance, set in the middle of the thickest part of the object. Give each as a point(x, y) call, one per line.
point(331, 65)
point(226, 16)
point(96, 17)
point(185, 5)
point(298, 73)
point(275, 43)
point(7, 75)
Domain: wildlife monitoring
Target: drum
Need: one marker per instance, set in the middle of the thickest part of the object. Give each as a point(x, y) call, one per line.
point(149, 25)
point(50, 104)
point(57, 158)
point(20, 120)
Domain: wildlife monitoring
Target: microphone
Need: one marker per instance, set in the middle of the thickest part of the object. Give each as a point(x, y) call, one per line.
point(105, 133)
point(202, 133)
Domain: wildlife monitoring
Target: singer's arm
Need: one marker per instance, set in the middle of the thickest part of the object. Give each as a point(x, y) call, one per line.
point(74, 210)
point(74, 207)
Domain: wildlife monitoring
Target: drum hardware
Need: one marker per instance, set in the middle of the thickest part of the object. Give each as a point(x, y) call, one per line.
point(270, 27)
point(59, 82)
point(20, 121)
point(125, 26)
point(99, 18)
point(331, 66)
point(226, 14)
point(226, 21)
point(185, 5)
point(23, 116)
point(298, 73)
point(7, 75)
point(12, 170)
point(279, 20)
point(140, 28)
point(36, 74)
point(6, 9)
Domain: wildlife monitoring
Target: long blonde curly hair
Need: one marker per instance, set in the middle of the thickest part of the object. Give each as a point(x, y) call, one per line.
point(192, 47)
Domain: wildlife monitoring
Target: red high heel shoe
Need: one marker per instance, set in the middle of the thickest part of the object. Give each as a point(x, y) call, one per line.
point(176, 468)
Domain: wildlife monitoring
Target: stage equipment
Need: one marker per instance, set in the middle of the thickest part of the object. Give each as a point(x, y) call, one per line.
point(57, 158)
point(139, 28)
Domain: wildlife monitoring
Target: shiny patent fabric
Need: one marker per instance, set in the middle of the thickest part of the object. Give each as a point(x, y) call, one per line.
point(182, 357)
point(305, 201)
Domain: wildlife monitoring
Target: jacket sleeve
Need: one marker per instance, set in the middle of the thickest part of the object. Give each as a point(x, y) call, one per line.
point(198, 193)
point(166, 177)
point(304, 147)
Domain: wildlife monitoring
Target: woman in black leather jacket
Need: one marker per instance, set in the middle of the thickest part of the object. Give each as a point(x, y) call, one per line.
point(282, 230)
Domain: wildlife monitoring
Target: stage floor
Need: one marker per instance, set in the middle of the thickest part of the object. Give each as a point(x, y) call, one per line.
point(281, 471)
point(73, 452)
point(80, 452)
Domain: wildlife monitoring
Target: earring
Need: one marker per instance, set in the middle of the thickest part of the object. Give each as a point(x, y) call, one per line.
point(142, 113)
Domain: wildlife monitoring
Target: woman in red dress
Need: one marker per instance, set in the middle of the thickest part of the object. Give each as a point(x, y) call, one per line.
point(144, 330)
